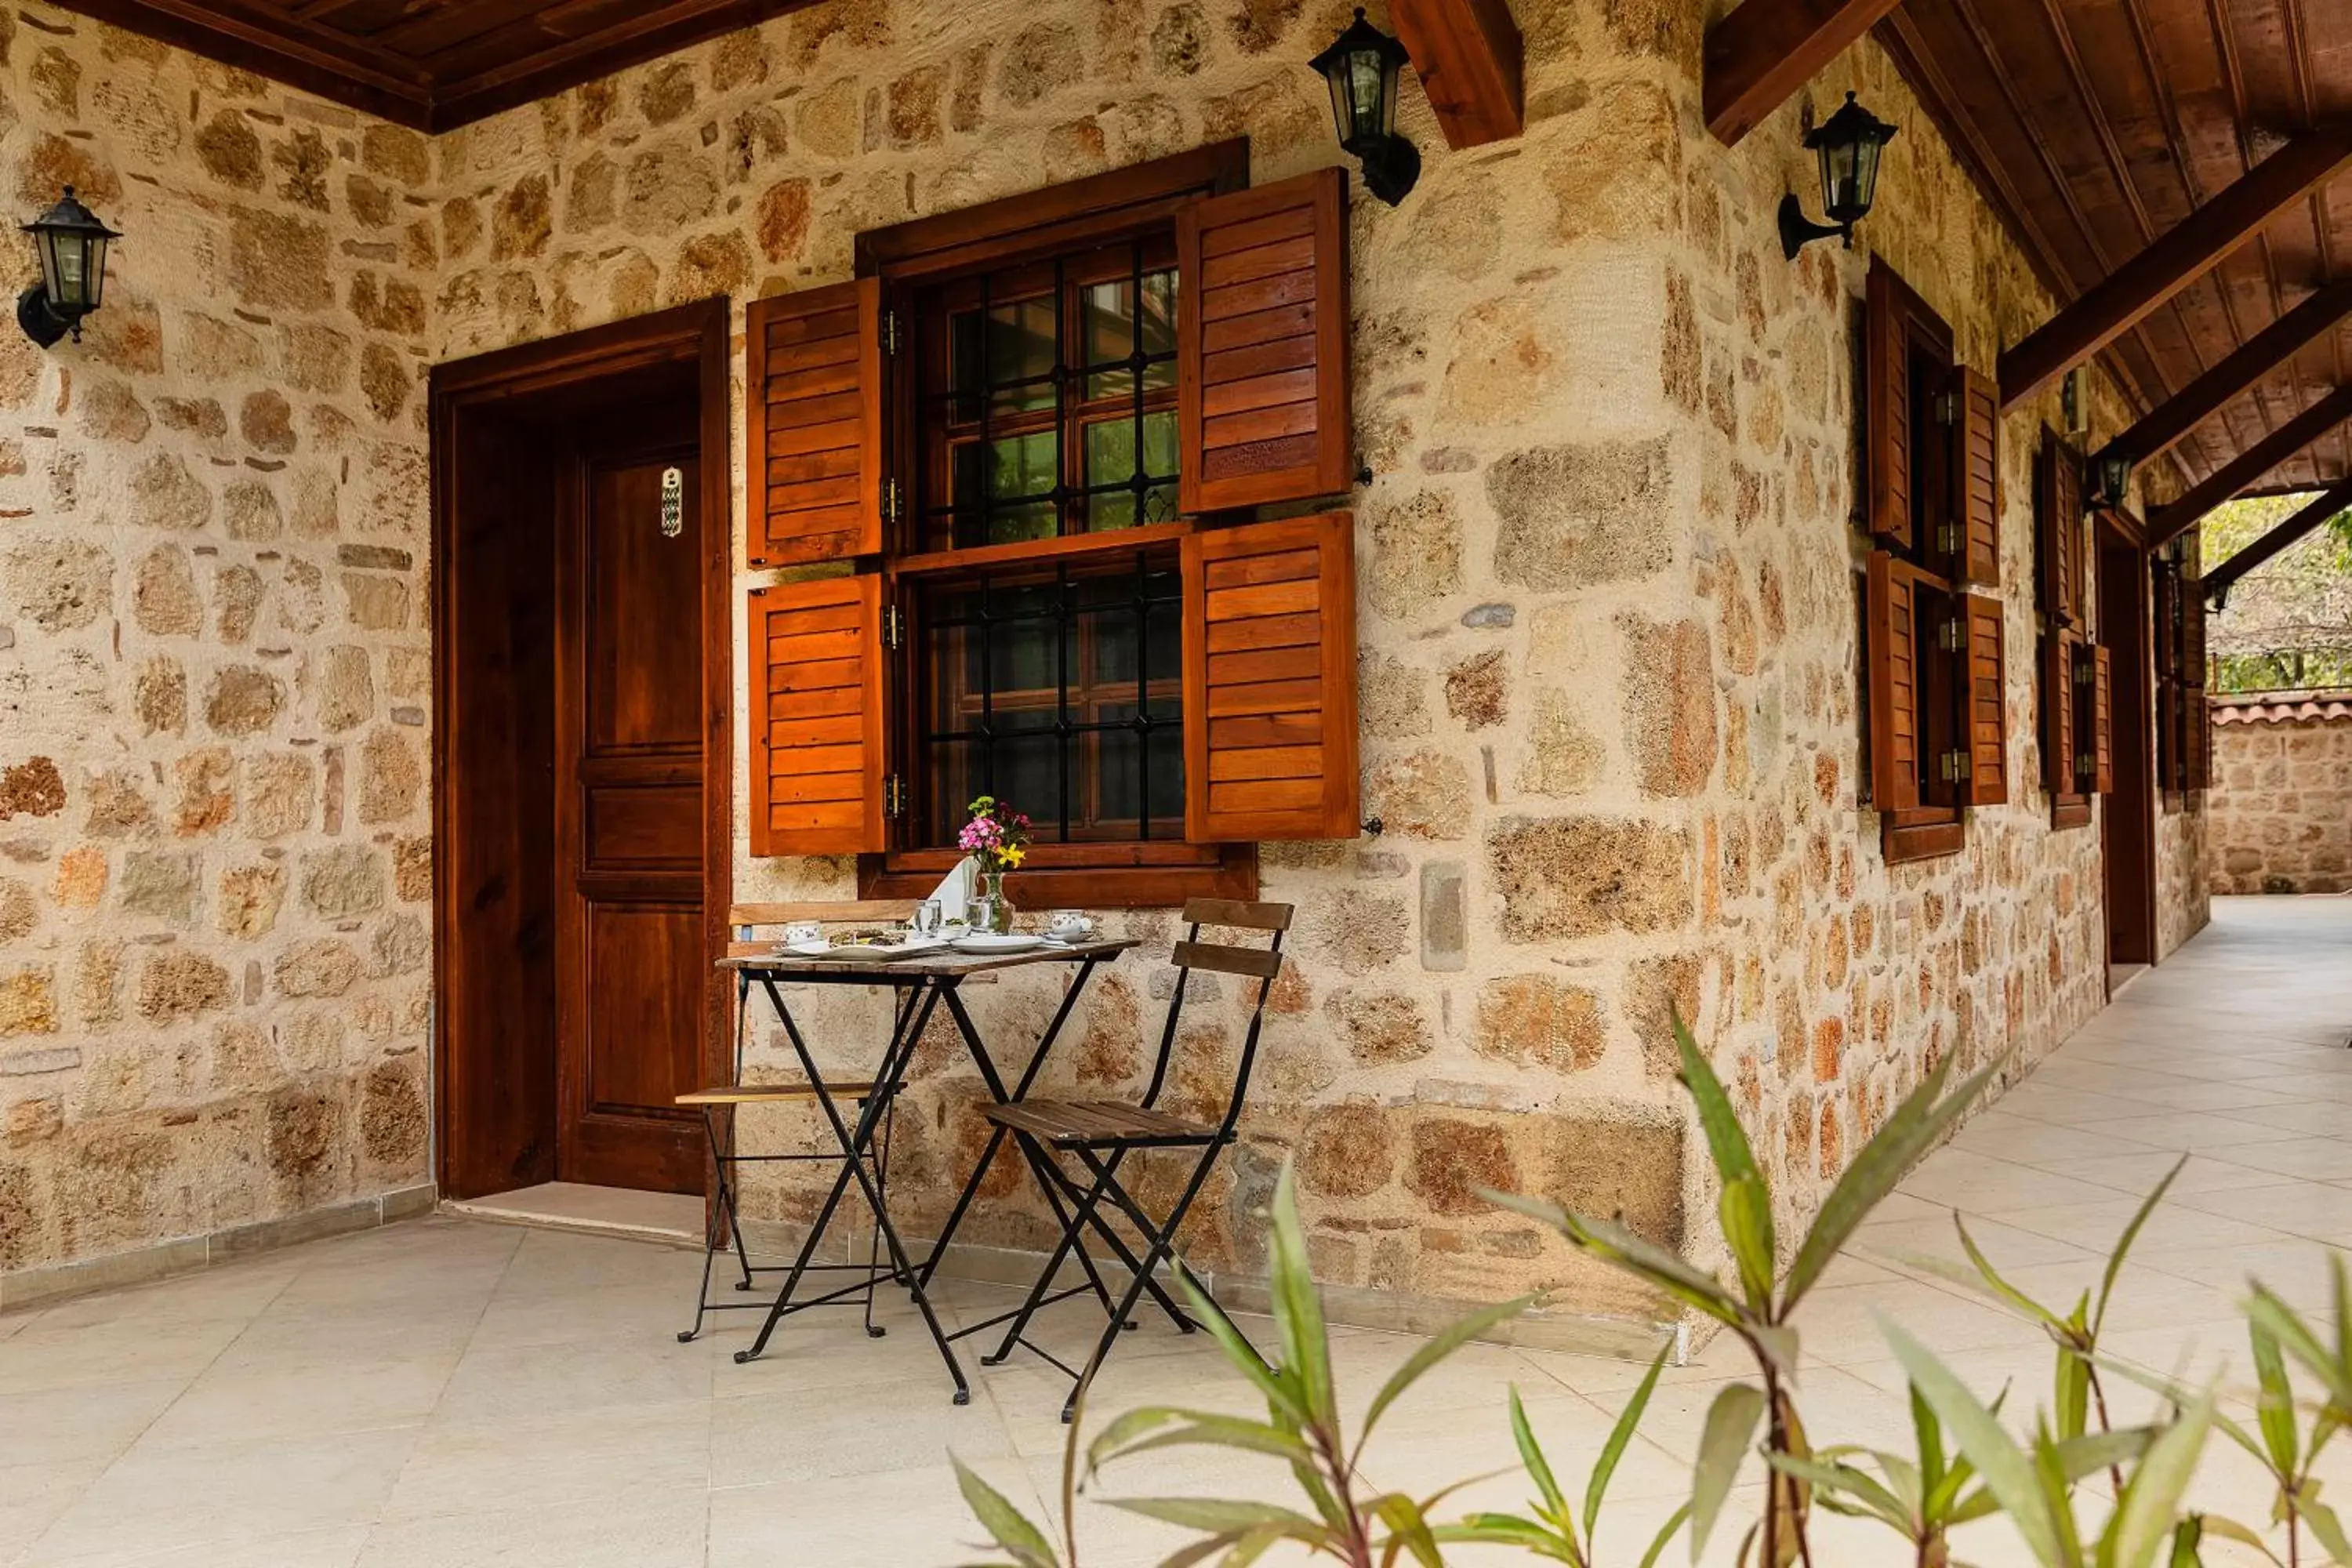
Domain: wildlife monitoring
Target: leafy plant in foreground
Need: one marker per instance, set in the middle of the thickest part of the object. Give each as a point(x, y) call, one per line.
point(2076, 1386)
point(1758, 1309)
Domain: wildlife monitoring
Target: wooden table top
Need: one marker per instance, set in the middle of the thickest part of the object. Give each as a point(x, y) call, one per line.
point(948, 963)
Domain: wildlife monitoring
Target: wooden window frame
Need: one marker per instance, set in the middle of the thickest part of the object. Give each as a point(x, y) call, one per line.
point(1113, 208)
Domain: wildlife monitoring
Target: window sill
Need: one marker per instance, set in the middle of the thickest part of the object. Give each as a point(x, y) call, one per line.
point(1088, 876)
point(2069, 811)
point(1926, 835)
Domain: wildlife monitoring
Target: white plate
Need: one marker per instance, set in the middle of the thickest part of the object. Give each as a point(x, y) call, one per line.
point(913, 947)
point(990, 942)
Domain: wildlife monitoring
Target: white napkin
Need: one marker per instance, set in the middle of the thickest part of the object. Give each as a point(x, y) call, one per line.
point(954, 891)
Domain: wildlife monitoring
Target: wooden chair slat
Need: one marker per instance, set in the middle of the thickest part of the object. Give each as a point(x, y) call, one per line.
point(1238, 914)
point(1095, 1121)
point(893, 910)
point(1251, 961)
point(769, 1093)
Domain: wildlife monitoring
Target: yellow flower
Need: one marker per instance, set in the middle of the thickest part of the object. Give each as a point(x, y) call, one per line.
point(1013, 856)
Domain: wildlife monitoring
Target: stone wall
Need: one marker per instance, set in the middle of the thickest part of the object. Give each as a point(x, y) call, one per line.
point(213, 665)
point(1607, 603)
point(2279, 816)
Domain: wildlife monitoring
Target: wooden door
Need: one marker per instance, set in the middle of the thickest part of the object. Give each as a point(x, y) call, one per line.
point(629, 733)
point(2127, 831)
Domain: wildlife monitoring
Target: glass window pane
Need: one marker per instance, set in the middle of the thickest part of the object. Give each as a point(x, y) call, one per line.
point(1018, 364)
point(1110, 327)
point(1003, 489)
point(1110, 459)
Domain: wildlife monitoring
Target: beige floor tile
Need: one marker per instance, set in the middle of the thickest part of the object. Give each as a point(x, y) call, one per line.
point(2315, 1159)
point(2297, 1270)
point(2019, 1138)
point(556, 1379)
point(1954, 1178)
point(1900, 1247)
point(2199, 1131)
point(2139, 1174)
point(151, 1500)
point(1838, 1326)
point(2071, 1108)
point(885, 1426)
point(33, 1496)
point(238, 1404)
point(2319, 1211)
point(552, 1461)
point(2099, 1226)
point(97, 1421)
point(47, 1360)
point(624, 1528)
point(335, 1547)
point(836, 1522)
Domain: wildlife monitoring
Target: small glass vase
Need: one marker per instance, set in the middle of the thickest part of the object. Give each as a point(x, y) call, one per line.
point(991, 910)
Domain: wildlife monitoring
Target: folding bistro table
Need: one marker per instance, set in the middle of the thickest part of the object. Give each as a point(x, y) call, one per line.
point(923, 982)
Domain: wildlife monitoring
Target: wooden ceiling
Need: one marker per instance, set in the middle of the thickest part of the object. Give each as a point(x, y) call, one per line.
point(2097, 125)
point(433, 64)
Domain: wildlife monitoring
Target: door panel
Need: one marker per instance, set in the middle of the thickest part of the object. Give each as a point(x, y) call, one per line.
point(630, 743)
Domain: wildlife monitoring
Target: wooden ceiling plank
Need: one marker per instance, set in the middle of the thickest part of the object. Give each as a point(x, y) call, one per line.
point(2329, 503)
point(1760, 53)
point(337, 68)
point(2185, 252)
point(2242, 471)
point(2236, 374)
point(1468, 55)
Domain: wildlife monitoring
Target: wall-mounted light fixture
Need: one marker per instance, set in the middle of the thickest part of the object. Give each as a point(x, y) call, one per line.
point(1847, 144)
point(72, 244)
point(2110, 477)
point(1360, 67)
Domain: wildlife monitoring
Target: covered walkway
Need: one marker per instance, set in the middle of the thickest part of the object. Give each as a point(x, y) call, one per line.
point(447, 1392)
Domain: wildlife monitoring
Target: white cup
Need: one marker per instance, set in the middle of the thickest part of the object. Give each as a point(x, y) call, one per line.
point(1070, 924)
point(799, 933)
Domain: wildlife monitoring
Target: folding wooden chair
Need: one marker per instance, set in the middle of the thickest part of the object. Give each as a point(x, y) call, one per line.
point(1100, 1136)
point(721, 1103)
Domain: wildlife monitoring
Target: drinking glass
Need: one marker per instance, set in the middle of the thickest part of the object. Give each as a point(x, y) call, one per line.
point(928, 917)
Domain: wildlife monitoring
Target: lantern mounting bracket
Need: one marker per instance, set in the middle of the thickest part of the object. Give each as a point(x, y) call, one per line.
point(40, 323)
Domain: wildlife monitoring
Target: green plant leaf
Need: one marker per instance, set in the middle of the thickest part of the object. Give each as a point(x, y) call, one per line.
point(1994, 1285)
point(1298, 1310)
point(1005, 1523)
point(1220, 1515)
point(2328, 1527)
point(2284, 1324)
point(2150, 1504)
point(1206, 1429)
point(1531, 1455)
point(1446, 1341)
point(1880, 1163)
point(2124, 1243)
point(1723, 1442)
point(2094, 1451)
point(1745, 1212)
point(2276, 1410)
point(1507, 1530)
point(2006, 1469)
point(1735, 1162)
point(1596, 1486)
point(1876, 1500)
point(2230, 1530)
point(1614, 1244)
point(1407, 1527)
point(2070, 1394)
point(1675, 1522)
point(1279, 1392)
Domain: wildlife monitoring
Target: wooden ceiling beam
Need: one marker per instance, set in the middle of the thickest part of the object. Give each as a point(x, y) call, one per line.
point(2329, 503)
point(2118, 302)
point(1468, 55)
point(1760, 53)
point(2241, 472)
point(2236, 374)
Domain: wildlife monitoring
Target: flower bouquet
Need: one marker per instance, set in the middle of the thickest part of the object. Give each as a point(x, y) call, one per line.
point(997, 839)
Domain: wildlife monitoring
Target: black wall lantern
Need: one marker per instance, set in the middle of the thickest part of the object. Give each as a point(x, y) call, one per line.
point(72, 244)
point(2110, 477)
point(1848, 145)
point(1361, 67)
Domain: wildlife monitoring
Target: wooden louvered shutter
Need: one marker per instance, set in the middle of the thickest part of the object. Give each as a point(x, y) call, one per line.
point(2059, 657)
point(2103, 749)
point(1975, 474)
point(1892, 633)
point(1887, 405)
point(1987, 663)
point(2197, 710)
point(813, 384)
point(2058, 529)
point(1270, 681)
point(1262, 345)
point(816, 717)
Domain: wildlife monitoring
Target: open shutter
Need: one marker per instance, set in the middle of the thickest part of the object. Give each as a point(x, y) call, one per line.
point(1987, 739)
point(814, 383)
point(1270, 681)
point(1975, 474)
point(2058, 529)
point(816, 717)
point(2059, 656)
point(1887, 405)
point(1894, 653)
point(1262, 345)
point(2103, 749)
point(2199, 710)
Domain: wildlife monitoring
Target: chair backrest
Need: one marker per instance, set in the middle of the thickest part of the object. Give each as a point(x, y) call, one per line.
point(1260, 963)
point(746, 918)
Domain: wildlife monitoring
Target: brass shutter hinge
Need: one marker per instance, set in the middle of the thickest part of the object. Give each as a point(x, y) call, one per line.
point(894, 627)
point(2087, 764)
point(1956, 766)
point(894, 796)
point(1948, 538)
point(1948, 408)
point(890, 333)
point(890, 501)
point(1949, 637)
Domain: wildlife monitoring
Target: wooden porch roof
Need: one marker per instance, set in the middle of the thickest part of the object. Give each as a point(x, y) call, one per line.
point(2098, 127)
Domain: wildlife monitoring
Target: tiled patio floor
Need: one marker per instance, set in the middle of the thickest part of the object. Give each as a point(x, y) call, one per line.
point(447, 1393)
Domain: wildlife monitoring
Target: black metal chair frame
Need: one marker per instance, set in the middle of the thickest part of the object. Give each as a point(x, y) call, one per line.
point(880, 1100)
point(1101, 1156)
